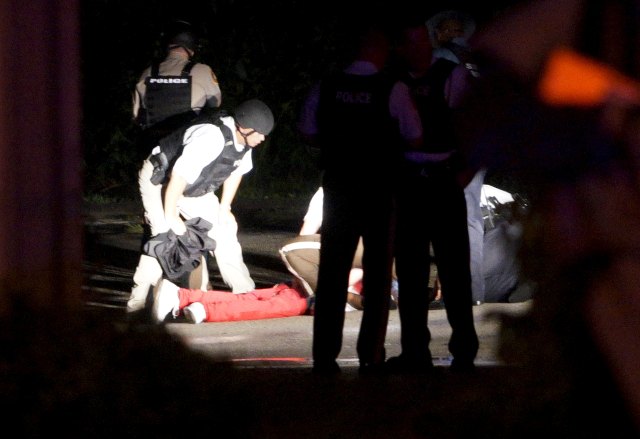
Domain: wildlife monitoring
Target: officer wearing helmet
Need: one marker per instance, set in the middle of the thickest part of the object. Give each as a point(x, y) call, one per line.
point(172, 91)
point(212, 152)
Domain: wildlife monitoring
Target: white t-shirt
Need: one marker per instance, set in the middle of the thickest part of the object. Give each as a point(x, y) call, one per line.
point(203, 144)
point(314, 211)
point(491, 195)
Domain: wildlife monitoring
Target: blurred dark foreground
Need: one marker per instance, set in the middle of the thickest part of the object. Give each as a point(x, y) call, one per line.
point(100, 374)
point(95, 378)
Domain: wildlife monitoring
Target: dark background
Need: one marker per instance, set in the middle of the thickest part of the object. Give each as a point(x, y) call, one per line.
point(273, 50)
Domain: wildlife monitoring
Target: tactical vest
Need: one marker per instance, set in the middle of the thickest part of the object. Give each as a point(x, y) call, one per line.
point(167, 96)
point(215, 173)
point(435, 114)
point(357, 133)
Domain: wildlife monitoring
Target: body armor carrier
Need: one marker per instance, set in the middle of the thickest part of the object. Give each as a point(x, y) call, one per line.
point(215, 173)
point(436, 116)
point(167, 96)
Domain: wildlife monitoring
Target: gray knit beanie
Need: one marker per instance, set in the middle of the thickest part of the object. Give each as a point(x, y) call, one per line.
point(254, 114)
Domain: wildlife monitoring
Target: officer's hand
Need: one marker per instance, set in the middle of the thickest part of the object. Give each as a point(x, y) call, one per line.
point(177, 225)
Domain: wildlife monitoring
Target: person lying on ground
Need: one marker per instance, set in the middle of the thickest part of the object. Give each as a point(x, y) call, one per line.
point(199, 306)
point(301, 256)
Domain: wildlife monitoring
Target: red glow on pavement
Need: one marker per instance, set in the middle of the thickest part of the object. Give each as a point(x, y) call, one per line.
point(281, 359)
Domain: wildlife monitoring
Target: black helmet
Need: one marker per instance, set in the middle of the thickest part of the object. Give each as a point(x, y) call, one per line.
point(254, 114)
point(180, 34)
point(187, 40)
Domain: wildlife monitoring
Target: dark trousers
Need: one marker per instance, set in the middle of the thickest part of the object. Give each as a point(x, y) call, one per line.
point(432, 210)
point(353, 209)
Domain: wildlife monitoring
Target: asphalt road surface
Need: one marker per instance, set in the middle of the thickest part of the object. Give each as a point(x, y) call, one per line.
point(112, 245)
point(252, 379)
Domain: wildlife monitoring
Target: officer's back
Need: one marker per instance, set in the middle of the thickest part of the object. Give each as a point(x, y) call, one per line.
point(173, 90)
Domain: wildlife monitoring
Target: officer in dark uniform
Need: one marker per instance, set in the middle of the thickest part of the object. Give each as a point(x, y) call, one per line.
point(431, 179)
point(360, 120)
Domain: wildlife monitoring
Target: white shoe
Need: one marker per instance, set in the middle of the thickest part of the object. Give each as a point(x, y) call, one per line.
point(165, 300)
point(138, 298)
point(134, 305)
point(195, 313)
point(349, 308)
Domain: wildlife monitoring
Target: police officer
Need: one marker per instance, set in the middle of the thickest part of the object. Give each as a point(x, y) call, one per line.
point(172, 91)
point(432, 179)
point(449, 32)
point(360, 120)
point(212, 153)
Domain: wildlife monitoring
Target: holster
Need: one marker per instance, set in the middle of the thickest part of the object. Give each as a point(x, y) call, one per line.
point(160, 167)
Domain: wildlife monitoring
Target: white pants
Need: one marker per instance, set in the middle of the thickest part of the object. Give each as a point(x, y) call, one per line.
point(228, 252)
point(475, 225)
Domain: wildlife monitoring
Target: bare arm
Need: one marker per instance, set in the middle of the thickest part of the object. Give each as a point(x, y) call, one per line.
point(313, 218)
point(310, 227)
point(229, 189)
